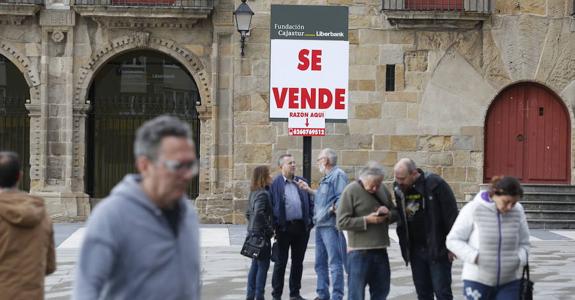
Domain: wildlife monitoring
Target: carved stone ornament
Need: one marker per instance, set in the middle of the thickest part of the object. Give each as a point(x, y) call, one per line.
point(58, 36)
point(141, 38)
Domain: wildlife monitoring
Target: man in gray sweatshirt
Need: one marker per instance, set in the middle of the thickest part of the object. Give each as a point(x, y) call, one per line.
point(142, 241)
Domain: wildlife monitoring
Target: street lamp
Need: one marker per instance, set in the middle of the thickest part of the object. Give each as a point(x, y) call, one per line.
point(243, 16)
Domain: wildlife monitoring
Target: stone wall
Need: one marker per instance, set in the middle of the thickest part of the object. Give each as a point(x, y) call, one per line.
point(445, 79)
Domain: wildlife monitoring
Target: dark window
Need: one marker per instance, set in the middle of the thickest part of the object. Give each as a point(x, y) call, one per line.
point(390, 78)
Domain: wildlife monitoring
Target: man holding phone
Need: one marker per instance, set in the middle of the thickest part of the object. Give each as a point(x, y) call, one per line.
point(293, 212)
point(365, 211)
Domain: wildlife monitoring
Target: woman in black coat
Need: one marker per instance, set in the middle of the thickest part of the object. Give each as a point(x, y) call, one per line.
point(259, 215)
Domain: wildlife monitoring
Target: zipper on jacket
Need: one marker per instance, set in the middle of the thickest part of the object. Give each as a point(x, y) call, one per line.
point(499, 248)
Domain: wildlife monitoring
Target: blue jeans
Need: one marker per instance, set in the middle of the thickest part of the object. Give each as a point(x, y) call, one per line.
point(330, 249)
point(368, 267)
point(476, 291)
point(430, 277)
point(257, 278)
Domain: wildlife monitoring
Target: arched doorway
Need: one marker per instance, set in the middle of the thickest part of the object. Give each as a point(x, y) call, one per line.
point(128, 90)
point(14, 119)
point(527, 135)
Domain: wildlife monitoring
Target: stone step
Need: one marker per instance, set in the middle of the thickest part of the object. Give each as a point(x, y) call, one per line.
point(549, 214)
point(549, 205)
point(551, 224)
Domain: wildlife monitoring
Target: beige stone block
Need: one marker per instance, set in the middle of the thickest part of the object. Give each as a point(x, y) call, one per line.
point(246, 68)
point(252, 118)
point(454, 174)
point(399, 77)
point(243, 103)
point(354, 157)
point(353, 85)
point(557, 8)
point(385, 158)
point(472, 175)
point(433, 143)
point(362, 72)
point(371, 36)
point(353, 36)
point(416, 61)
point(440, 159)
point(380, 77)
point(403, 142)
point(474, 131)
point(33, 49)
point(260, 134)
point(356, 21)
point(416, 80)
point(401, 96)
point(536, 7)
point(358, 141)
point(260, 102)
point(366, 85)
point(368, 111)
point(413, 111)
point(288, 142)
point(394, 110)
point(250, 153)
point(240, 134)
point(381, 142)
point(366, 55)
point(420, 158)
point(507, 6)
point(333, 141)
point(401, 37)
point(341, 128)
point(391, 54)
point(198, 50)
point(461, 158)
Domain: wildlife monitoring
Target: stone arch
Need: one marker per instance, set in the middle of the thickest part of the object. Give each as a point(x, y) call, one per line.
point(556, 93)
point(25, 66)
point(142, 40)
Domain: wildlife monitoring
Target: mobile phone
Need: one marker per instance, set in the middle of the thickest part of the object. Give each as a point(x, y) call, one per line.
point(380, 214)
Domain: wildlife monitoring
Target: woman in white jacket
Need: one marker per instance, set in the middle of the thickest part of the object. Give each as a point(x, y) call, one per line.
point(492, 238)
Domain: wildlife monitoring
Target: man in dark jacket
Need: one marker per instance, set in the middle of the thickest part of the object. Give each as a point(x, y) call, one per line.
point(427, 209)
point(293, 212)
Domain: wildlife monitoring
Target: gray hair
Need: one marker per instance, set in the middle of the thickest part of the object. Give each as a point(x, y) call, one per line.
point(281, 158)
point(408, 163)
point(331, 156)
point(371, 169)
point(149, 136)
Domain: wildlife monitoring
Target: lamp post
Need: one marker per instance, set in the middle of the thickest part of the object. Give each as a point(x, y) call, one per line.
point(243, 16)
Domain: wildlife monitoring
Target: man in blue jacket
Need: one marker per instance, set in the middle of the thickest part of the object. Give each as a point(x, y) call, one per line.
point(293, 212)
point(330, 245)
point(142, 241)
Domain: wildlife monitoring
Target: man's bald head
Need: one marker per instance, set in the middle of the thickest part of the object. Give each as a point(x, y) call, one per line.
point(405, 173)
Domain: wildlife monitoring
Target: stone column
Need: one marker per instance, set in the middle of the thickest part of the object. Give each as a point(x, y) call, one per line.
point(54, 117)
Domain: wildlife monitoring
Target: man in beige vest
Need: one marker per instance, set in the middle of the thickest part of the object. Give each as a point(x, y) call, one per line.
point(26, 236)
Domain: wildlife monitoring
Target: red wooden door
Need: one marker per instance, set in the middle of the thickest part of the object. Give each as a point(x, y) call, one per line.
point(527, 135)
point(434, 4)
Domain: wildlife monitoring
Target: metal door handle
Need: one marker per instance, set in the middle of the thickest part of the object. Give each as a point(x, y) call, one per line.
point(520, 138)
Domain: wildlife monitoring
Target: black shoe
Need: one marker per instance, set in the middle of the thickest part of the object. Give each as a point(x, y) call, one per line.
point(298, 297)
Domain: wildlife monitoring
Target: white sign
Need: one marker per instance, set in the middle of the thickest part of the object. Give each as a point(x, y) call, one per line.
point(306, 123)
point(309, 62)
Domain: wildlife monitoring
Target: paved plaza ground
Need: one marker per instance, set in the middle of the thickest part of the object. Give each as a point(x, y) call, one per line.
point(224, 269)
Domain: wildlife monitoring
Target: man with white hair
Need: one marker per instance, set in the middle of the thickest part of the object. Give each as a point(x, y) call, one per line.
point(330, 245)
point(365, 212)
point(427, 210)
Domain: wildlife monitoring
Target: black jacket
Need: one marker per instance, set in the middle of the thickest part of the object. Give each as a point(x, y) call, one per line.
point(259, 213)
point(440, 208)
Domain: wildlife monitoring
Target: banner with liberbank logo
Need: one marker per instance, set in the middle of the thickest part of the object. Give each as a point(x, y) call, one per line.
point(309, 61)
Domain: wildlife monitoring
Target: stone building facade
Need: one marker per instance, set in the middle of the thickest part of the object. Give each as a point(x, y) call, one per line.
point(447, 69)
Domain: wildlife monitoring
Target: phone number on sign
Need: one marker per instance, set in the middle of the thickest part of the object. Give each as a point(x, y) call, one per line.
point(307, 131)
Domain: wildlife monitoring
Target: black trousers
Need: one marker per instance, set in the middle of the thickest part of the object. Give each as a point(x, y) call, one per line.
point(295, 237)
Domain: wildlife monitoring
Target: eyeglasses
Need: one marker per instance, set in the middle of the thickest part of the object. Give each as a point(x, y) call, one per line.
point(182, 166)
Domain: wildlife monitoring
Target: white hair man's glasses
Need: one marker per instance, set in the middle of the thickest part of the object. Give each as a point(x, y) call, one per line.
point(175, 166)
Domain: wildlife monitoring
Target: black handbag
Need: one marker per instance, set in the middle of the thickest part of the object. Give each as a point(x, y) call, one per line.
point(525, 285)
point(255, 246)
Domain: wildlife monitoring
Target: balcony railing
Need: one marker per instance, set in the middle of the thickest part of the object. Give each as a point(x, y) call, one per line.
point(200, 4)
point(12, 2)
point(480, 6)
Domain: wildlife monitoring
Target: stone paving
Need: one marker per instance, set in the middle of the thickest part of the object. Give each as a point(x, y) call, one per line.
point(224, 270)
